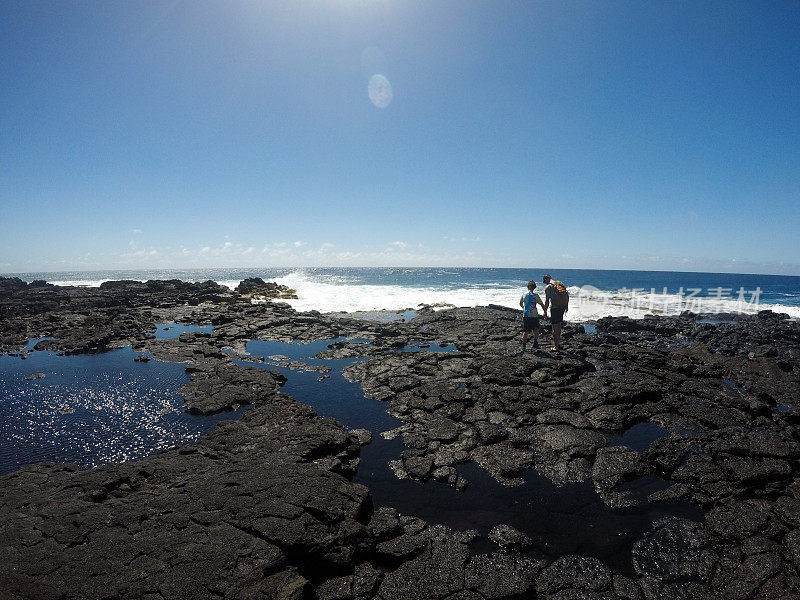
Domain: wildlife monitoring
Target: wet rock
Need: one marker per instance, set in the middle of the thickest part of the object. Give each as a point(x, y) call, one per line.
point(401, 548)
point(731, 450)
point(506, 536)
point(268, 289)
point(442, 429)
point(615, 464)
point(741, 579)
point(418, 467)
point(241, 512)
point(34, 376)
point(504, 461)
point(574, 572)
point(677, 551)
point(216, 386)
point(437, 572)
point(563, 417)
point(360, 585)
point(386, 524)
point(490, 434)
point(571, 441)
point(363, 436)
point(501, 576)
point(626, 588)
point(741, 520)
point(746, 471)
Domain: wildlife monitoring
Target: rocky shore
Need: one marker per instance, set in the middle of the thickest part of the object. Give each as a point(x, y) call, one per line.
point(266, 506)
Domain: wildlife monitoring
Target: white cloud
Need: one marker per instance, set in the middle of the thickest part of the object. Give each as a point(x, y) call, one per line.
point(136, 231)
point(448, 238)
point(298, 244)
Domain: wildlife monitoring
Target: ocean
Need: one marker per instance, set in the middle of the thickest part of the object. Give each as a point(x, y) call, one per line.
point(594, 293)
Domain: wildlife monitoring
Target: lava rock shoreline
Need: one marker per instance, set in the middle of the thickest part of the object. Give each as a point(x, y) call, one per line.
point(265, 507)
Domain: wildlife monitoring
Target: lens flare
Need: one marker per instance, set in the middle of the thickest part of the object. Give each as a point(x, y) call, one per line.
point(380, 91)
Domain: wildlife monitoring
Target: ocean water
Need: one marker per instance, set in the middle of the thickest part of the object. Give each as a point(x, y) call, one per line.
point(594, 293)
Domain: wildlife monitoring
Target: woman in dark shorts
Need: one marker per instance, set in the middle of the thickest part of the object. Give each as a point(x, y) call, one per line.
point(530, 316)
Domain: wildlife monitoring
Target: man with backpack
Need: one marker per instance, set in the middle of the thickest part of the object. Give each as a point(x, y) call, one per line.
point(556, 297)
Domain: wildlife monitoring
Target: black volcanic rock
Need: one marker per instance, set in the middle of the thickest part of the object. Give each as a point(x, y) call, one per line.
point(264, 507)
point(220, 385)
point(9, 285)
point(269, 289)
point(242, 513)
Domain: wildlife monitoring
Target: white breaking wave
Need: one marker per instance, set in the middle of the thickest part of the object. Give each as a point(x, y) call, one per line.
point(586, 304)
point(334, 294)
point(81, 282)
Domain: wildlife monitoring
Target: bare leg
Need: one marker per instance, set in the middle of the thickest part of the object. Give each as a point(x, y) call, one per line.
point(524, 342)
point(556, 336)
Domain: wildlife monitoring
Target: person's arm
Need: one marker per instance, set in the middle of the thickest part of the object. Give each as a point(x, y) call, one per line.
point(522, 302)
point(546, 301)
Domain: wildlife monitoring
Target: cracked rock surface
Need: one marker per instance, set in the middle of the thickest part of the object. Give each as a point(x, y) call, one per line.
point(265, 507)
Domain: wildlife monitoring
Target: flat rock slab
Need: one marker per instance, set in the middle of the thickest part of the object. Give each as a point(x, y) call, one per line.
point(248, 511)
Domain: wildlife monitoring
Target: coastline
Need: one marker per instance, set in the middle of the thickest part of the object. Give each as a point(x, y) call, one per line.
point(267, 504)
point(595, 293)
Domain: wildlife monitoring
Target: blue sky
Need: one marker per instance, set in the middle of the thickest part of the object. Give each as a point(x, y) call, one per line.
point(642, 135)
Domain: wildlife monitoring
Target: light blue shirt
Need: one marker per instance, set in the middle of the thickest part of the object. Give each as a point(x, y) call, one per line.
point(529, 302)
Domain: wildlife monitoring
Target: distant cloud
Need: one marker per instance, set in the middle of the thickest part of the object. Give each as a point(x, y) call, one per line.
point(298, 244)
point(448, 238)
point(398, 245)
point(136, 231)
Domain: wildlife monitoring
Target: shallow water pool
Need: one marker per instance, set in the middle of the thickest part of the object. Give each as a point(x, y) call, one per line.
point(92, 409)
point(561, 520)
point(168, 331)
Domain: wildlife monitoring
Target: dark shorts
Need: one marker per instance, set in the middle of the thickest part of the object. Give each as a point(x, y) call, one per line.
point(556, 314)
point(530, 324)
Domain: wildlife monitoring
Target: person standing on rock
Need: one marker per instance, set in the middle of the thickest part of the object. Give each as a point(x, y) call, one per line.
point(556, 298)
point(530, 316)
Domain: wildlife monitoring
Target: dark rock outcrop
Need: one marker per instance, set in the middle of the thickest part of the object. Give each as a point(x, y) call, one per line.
point(267, 289)
point(265, 507)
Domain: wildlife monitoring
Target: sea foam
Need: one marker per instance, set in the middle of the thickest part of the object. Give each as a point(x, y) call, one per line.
point(330, 292)
point(586, 303)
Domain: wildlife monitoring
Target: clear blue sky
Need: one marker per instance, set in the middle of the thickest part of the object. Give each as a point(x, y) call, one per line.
point(650, 135)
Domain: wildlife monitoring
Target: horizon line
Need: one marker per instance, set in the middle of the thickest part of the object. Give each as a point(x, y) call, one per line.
point(298, 267)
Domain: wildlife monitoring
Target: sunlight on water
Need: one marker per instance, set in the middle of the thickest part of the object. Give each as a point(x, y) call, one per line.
point(92, 409)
